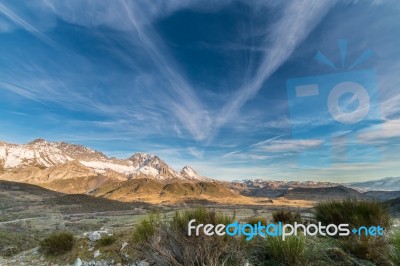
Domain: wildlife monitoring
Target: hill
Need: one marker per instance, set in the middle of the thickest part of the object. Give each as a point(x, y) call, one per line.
point(24, 199)
point(155, 191)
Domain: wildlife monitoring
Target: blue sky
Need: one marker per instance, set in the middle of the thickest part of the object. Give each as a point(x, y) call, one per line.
point(205, 83)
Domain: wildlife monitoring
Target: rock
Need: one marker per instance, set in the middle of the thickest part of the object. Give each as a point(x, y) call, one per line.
point(96, 254)
point(141, 263)
point(94, 236)
point(78, 262)
point(123, 245)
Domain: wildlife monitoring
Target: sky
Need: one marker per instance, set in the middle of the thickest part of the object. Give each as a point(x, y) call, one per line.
point(285, 90)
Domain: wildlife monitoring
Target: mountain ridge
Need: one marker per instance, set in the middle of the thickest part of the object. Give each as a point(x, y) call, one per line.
point(38, 159)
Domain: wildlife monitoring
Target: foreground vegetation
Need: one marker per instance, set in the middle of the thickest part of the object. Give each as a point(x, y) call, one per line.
point(57, 243)
point(162, 239)
point(166, 242)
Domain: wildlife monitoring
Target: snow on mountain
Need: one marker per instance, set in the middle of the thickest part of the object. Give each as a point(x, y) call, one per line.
point(189, 173)
point(43, 154)
point(385, 184)
point(39, 153)
point(265, 183)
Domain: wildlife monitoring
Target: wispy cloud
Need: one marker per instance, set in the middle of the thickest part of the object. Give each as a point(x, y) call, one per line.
point(245, 156)
point(199, 154)
point(264, 142)
point(387, 130)
point(193, 114)
point(289, 145)
point(128, 82)
point(27, 26)
point(183, 100)
point(298, 20)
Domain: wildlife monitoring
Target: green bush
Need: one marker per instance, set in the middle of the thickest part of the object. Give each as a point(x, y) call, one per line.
point(146, 228)
point(202, 216)
point(57, 243)
point(395, 251)
point(353, 212)
point(291, 251)
point(166, 242)
point(275, 251)
point(286, 217)
point(106, 241)
point(374, 249)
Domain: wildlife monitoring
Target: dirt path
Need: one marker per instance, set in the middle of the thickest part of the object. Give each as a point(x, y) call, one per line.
point(20, 220)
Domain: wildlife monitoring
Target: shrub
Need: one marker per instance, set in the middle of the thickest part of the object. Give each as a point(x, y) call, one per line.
point(370, 248)
point(275, 251)
point(146, 228)
point(338, 256)
point(291, 251)
point(395, 251)
point(57, 243)
point(353, 212)
point(257, 252)
point(202, 216)
point(286, 217)
point(106, 241)
point(168, 243)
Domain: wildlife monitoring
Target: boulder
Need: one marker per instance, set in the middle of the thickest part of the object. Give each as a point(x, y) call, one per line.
point(78, 262)
point(94, 236)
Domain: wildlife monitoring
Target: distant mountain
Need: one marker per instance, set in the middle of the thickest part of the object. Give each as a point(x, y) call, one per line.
point(322, 193)
point(273, 188)
point(263, 183)
point(385, 184)
point(294, 190)
point(57, 163)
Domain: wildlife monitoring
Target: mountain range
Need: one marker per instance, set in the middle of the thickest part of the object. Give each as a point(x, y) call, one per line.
point(75, 169)
point(41, 161)
point(384, 184)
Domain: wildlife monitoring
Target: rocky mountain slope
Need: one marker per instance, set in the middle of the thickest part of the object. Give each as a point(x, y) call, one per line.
point(155, 191)
point(43, 162)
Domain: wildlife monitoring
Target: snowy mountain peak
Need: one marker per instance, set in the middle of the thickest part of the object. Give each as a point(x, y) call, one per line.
point(189, 171)
point(143, 158)
point(43, 154)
